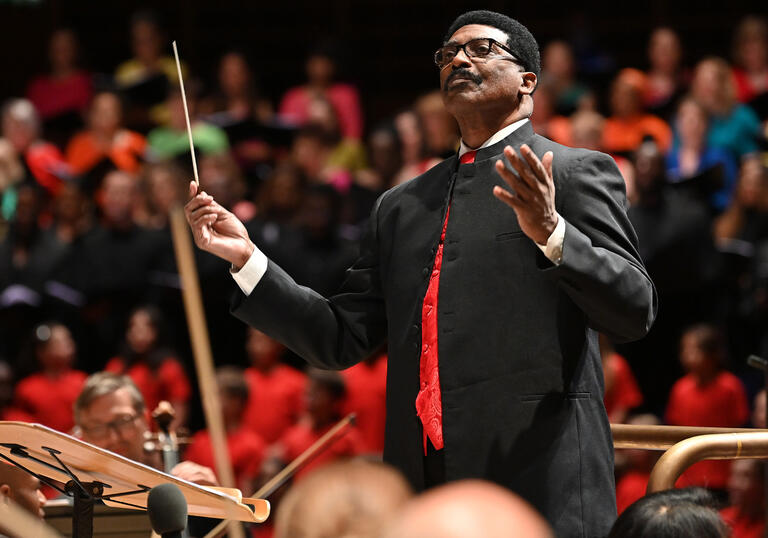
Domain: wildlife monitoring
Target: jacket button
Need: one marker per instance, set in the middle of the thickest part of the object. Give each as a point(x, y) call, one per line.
point(425, 271)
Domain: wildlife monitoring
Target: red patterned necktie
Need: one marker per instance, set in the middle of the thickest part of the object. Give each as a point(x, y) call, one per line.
point(429, 401)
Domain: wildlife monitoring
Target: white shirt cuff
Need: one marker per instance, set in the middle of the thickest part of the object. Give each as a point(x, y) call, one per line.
point(250, 274)
point(553, 250)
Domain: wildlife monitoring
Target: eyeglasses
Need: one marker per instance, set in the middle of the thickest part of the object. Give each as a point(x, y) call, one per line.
point(120, 426)
point(480, 47)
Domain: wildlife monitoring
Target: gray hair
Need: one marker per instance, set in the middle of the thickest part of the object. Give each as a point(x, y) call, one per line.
point(104, 383)
point(22, 111)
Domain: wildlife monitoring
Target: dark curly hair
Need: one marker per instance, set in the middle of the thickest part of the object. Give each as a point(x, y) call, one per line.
point(520, 40)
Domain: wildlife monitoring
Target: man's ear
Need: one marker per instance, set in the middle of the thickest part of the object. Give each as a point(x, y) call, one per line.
point(528, 83)
point(5, 491)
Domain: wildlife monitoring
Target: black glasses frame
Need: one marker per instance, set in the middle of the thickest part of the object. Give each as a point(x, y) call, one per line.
point(441, 62)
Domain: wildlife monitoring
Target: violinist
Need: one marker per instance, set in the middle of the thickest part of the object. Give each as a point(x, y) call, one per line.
point(110, 413)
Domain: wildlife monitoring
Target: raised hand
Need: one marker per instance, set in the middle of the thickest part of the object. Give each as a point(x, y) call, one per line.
point(217, 230)
point(533, 191)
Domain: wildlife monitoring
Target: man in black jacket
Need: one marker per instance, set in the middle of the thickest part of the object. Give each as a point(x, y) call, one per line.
point(529, 246)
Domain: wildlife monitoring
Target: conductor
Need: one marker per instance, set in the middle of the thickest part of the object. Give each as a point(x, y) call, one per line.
point(489, 276)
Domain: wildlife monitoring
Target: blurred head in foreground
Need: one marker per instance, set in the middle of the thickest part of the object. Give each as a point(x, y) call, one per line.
point(22, 488)
point(468, 509)
point(342, 500)
point(674, 513)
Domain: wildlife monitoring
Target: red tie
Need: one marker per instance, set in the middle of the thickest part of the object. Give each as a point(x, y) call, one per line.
point(468, 157)
point(429, 400)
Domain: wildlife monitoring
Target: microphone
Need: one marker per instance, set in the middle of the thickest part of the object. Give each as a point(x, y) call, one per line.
point(167, 510)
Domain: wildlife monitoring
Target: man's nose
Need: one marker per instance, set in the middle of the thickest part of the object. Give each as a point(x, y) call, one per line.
point(41, 498)
point(461, 59)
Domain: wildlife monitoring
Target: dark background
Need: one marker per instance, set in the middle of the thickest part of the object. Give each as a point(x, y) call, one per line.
point(386, 45)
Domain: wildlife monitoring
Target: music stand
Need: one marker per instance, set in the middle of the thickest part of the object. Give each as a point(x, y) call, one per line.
point(89, 474)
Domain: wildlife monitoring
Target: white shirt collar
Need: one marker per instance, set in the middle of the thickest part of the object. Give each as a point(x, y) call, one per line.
point(500, 135)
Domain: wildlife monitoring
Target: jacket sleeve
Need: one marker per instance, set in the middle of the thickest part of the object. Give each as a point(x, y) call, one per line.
point(601, 270)
point(331, 333)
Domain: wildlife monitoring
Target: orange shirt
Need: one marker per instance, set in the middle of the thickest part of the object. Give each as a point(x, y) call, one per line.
point(127, 147)
point(626, 134)
point(276, 400)
point(366, 397)
point(49, 401)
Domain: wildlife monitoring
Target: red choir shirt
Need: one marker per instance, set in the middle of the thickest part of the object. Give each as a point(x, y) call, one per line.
point(49, 401)
point(246, 452)
point(276, 400)
point(742, 526)
point(294, 107)
point(301, 436)
point(53, 95)
point(621, 388)
point(366, 397)
point(11, 413)
point(630, 488)
point(745, 88)
point(720, 403)
point(169, 382)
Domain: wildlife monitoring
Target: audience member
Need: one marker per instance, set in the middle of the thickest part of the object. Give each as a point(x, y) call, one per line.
point(354, 499)
point(220, 176)
point(558, 71)
point(468, 509)
point(733, 127)
point(22, 488)
point(691, 159)
point(108, 269)
point(746, 218)
point(110, 413)
point(637, 465)
point(629, 124)
point(324, 399)
point(64, 92)
point(750, 54)
point(414, 153)
point(171, 140)
point(622, 394)
point(7, 388)
point(666, 77)
point(745, 514)
point(164, 186)
point(675, 242)
point(151, 365)
point(47, 396)
point(675, 513)
point(11, 174)
point(441, 133)
point(706, 396)
point(366, 397)
point(276, 391)
point(246, 448)
point(105, 143)
point(321, 255)
point(321, 70)
point(43, 162)
point(545, 120)
point(238, 96)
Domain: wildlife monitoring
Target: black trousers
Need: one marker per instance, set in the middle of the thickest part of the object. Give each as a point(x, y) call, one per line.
point(434, 466)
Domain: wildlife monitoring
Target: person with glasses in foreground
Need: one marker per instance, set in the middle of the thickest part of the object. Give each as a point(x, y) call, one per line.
point(489, 277)
point(110, 413)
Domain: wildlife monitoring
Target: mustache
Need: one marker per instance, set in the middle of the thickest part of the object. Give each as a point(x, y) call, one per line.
point(463, 72)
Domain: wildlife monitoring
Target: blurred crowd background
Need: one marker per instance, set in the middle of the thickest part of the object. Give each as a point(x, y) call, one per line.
point(300, 121)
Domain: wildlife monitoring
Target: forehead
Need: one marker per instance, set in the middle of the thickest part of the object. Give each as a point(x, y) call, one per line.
point(473, 31)
point(106, 408)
